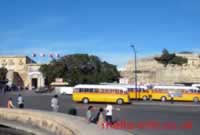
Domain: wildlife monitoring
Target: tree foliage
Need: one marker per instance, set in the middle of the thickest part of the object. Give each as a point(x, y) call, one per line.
point(3, 72)
point(170, 58)
point(80, 69)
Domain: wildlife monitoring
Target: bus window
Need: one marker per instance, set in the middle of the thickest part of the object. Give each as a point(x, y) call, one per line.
point(80, 90)
point(95, 90)
point(124, 92)
point(76, 90)
point(91, 90)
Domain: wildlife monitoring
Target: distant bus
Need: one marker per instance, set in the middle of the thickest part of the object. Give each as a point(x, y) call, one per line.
point(180, 93)
point(100, 93)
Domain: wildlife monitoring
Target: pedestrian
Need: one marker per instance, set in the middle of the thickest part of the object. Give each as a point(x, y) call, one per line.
point(20, 101)
point(109, 109)
point(54, 103)
point(101, 120)
point(89, 114)
point(172, 98)
point(10, 104)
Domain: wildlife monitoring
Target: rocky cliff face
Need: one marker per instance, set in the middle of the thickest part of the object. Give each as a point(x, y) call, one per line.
point(150, 71)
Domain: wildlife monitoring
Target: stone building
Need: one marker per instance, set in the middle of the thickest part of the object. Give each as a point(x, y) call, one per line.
point(150, 71)
point(22, 71)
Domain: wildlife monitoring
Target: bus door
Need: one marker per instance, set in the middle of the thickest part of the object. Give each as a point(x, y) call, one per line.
point(143, 94)
point(132, 93)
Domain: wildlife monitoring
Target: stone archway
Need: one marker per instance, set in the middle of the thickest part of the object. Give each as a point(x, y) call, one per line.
point(36, 80)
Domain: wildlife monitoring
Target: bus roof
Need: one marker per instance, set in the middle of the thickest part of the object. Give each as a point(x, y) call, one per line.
point(128, 85)
point(101, 86)
point(175, 87)
point(195, 85)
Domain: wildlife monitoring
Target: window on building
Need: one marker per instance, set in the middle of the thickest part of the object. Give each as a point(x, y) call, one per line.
point(11, 62)
point(21, 62)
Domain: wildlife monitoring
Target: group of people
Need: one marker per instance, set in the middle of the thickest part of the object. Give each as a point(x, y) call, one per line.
point(20, 102)
point(104, 116)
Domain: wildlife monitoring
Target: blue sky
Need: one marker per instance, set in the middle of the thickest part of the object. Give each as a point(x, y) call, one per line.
point(105, 28)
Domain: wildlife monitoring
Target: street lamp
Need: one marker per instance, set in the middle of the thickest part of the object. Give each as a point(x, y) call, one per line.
point(134, 50)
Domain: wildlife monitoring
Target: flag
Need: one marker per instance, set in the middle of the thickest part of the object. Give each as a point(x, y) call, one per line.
point(33, 55)
point(58, 55)
point(42, 54)
point(51, 55)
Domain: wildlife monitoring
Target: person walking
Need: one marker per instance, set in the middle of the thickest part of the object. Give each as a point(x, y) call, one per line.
point(109, 109)
point(54, 103)
point(20, 101)
point(101, 120)
point(172, 98)
point(10, 104)
point(89, 114)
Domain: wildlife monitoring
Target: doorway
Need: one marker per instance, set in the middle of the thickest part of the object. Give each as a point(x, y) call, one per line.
point(34, 83)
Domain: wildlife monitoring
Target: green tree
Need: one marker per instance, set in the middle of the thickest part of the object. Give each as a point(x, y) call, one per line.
point(80, 68)
point(170, 58)
point(3, 72)
point(178, 60)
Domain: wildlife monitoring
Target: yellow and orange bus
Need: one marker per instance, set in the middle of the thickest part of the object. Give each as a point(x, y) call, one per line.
point(180, 93)
point(100, 93)
point(142, 91)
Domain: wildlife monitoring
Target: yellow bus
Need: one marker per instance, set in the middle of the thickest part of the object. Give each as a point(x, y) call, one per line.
point(180, 93)
point(141, 93)
point(100, 93)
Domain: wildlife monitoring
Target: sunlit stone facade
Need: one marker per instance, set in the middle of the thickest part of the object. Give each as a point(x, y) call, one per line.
point(22, 71)
point(150, 71)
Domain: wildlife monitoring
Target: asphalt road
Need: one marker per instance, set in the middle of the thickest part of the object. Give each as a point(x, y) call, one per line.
point(11, 131)
point(171, 119)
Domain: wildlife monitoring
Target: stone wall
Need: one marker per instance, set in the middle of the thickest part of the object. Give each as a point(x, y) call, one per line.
point(52, 123)
point(150, 71)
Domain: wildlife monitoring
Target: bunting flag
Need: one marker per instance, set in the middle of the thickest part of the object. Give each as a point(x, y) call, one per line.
point(51, 55)
point(58, 55)
point(42, 55)
point(33, 55)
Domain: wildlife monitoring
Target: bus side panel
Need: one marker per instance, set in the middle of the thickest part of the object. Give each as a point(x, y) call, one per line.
point(132, 94)
point(113, 97)
point(76, 97)
point(158, 95)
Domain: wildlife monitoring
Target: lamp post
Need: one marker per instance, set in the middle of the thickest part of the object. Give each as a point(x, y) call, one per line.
point(135, 53)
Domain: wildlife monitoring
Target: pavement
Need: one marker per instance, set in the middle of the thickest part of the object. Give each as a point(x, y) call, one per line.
point(180, 118)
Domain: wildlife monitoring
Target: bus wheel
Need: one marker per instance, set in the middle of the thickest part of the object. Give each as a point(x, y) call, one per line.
point(144, 98)
point(163, 99)
point(85, 100)
point(119, 101)
point(196, 99)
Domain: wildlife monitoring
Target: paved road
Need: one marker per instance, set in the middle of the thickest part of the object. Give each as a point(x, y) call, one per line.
point(139, 113)
point(11, 131)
